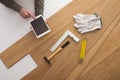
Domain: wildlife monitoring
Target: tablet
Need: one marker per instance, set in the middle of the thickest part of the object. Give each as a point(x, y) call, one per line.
point(39, 26)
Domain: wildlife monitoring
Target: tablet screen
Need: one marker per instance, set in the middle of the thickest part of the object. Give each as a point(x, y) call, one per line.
point(39, 26)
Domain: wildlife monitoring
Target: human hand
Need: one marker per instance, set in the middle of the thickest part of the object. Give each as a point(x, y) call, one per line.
point(26, 13)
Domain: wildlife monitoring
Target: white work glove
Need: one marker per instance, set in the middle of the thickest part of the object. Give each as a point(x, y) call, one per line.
point(80, 17)
point(86, 23)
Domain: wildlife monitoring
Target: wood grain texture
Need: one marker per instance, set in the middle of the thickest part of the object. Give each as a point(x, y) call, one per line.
point(22, 47)
point(63, 58)
point(104, 64)
point(102, 48)
point(106, 24)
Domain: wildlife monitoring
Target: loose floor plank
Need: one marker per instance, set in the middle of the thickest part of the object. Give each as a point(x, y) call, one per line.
point(32, 74)
point(15, 52)
point(66, 66)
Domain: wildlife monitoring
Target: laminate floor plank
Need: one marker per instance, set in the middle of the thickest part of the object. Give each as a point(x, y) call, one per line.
point(105, 18)
point(105, 64)
point(67, 26)
point(16, 52)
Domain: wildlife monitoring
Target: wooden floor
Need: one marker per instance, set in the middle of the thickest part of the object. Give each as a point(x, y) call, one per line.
point(103, 46)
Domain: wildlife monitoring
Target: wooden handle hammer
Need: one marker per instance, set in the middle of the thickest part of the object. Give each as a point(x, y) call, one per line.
point(56, 52)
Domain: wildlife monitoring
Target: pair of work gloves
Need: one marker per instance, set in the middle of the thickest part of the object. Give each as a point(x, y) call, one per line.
point(86, 23)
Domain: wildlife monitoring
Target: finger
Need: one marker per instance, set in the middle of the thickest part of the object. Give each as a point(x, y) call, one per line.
point(31, 15)
point(26, 15)
point(46, 21)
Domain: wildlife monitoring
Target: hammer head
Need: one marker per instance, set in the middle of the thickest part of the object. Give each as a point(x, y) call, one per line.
point(47, 60)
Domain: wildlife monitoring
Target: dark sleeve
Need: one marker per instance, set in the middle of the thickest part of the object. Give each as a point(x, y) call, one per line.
point(11, 4)
point(39, 7)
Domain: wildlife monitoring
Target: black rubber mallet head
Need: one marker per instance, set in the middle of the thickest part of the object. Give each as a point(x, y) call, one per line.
point(47, 60)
